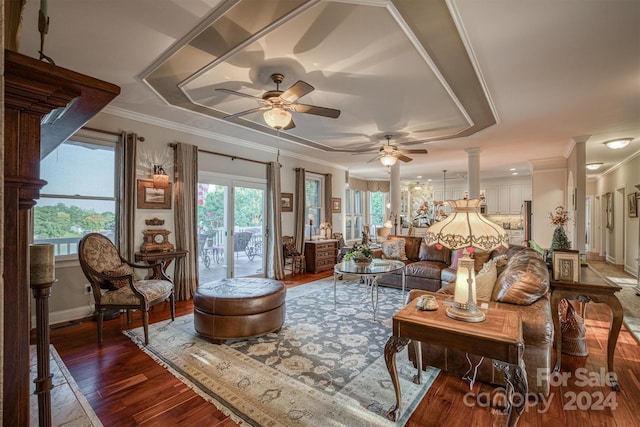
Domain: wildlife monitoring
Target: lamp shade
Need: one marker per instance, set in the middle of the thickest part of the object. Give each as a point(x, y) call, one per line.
point(277, 118)
point(388, 160)
point(466, 227)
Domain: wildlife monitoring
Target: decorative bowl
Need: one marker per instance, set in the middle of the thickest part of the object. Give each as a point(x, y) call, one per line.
point(362, 262)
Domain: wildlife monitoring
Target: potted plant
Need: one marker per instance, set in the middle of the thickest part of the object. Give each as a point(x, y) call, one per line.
point(360, 255)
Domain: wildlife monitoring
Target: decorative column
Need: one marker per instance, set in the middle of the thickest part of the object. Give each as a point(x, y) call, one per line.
point(580, 189)
point(394, 194)
point(473, 175)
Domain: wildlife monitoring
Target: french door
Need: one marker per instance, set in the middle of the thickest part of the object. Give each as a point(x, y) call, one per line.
point(231, 231)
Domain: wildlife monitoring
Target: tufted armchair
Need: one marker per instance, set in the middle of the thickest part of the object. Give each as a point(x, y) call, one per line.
point(115, 285)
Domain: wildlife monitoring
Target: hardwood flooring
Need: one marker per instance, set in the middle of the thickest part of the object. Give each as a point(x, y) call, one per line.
point(127, 388)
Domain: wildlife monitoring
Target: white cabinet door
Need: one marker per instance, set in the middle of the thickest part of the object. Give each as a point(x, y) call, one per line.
point(504, 194)
point(515, 199)
point(492, 200)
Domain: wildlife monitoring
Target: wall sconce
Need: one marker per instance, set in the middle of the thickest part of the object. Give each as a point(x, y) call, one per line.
point(160, 178)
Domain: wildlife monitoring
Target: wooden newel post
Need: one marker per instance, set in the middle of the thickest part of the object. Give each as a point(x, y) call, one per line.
point(41, 278)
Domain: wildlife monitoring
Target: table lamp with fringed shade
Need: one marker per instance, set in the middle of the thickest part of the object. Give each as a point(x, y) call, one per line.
point(465, 228)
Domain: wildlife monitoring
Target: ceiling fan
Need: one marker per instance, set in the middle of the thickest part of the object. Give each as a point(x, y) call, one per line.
point(276, 104)
point(390, 154)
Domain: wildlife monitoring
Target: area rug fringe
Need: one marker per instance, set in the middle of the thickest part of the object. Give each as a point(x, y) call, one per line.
point(199, 390)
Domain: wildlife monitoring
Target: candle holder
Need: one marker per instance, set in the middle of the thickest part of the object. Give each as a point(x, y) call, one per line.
point(310, 229)
point(41, 278)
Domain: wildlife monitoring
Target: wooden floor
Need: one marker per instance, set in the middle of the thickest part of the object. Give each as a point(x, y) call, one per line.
point(126, 388)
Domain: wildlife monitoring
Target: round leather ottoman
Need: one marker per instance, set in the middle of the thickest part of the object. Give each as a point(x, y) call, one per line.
point(238, 308)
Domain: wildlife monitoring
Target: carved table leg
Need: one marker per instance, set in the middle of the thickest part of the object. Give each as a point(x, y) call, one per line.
point(615, 323)
point(393, 346)
point(515, 377)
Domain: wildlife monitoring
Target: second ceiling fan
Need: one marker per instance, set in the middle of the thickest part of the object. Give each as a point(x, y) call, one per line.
point(276, 104)
point(389, 154)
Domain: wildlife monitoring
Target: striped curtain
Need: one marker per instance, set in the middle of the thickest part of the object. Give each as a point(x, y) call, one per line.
point(185, 196)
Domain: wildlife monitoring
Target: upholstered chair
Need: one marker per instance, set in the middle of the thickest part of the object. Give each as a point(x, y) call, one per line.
point(115, 285)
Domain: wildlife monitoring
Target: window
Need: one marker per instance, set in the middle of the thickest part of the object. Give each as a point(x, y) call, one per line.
point(354, 202)
point(376, 211)
point(314, 191)
point(80, 196)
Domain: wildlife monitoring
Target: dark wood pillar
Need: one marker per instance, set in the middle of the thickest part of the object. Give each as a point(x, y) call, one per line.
point(32, 89)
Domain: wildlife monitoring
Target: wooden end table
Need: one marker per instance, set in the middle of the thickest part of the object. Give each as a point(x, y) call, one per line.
point(591, 288)
point(498, 337)
point(165, 257)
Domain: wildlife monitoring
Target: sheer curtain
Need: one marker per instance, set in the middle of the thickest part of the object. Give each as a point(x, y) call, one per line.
point(275, 268)
point(127, 209)
point(186, 218)
point(300, 217)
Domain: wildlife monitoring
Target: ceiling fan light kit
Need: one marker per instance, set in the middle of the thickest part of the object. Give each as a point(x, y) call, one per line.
point(277, 118)
point(388, 160)
point(616, 144)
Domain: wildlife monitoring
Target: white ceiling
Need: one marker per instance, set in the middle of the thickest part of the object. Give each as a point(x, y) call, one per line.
point(519, 79)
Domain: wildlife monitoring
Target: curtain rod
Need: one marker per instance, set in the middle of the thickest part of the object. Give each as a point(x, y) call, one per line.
point(200, 150)
point(108, 132)
point(317, 173)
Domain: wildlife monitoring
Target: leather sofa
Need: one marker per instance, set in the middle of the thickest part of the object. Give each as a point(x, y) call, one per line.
point(427, 267)
point(522, 286)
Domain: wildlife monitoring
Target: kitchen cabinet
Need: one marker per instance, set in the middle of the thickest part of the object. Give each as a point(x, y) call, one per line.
point(506, 199)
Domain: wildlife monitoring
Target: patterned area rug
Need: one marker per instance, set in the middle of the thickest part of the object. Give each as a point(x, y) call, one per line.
point(325, 367)
point(628, 295)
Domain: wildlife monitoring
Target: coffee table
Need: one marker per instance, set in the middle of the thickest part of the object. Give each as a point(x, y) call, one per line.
point(370, 275)
point(498, 337)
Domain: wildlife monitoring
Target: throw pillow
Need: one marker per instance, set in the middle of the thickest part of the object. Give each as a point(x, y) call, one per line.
point(432, 253)
point(115, 284)
point(486, 280)
point(479, 258)
point(457, 254)
point(523, 281)
point(394, 249)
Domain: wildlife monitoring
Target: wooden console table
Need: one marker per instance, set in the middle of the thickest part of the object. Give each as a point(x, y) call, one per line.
point(166, 257)
point(498, 337)
point(592, 288)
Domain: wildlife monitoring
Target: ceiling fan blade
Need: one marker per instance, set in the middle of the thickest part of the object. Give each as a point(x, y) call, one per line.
point(318, 111)
point(242, 113)
point(374, 159)
point(421, 151)
point(297, 90)
point(404, 158)
point(291, 125)
point(233, 92)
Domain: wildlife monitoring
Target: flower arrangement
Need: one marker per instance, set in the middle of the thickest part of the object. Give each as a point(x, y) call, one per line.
point(359, 252)
point(559, 217)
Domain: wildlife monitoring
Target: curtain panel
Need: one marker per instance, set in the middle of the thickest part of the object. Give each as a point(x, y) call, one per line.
point(127, 187)
point(186, 274)
point(275, 257)
point(328, 194)
point(300, 198)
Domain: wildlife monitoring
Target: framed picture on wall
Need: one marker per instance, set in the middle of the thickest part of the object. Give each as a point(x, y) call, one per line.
point(286, 202)
point(633, 205)
point(566, 266)
point(336, 205)
point(150, 197)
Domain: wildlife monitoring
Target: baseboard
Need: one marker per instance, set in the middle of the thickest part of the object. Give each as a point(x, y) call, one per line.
point(632, 271)
point(610, 260)
point(68, 315)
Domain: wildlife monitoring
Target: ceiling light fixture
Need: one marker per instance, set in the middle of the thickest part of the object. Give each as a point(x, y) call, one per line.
point(418, 186)
point(593, 166)
point(616, 144)
point(388, 160)
point(277, 117)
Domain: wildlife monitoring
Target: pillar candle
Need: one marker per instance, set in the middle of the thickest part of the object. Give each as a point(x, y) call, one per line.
point(42, 260)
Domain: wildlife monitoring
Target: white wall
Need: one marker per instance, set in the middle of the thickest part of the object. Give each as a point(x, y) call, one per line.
point(548, 186)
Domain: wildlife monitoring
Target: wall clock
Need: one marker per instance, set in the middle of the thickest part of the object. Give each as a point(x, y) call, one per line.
point(156, 241)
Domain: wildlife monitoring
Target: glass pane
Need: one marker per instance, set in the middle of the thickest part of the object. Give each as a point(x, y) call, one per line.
point(211, 229)
point(63, 222)
point(79, 169)
point(248, 231)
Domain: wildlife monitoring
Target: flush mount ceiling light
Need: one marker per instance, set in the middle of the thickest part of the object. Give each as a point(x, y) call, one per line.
point(417, 186)
point(277, 118)
point(616, 144)
point(593, 166)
